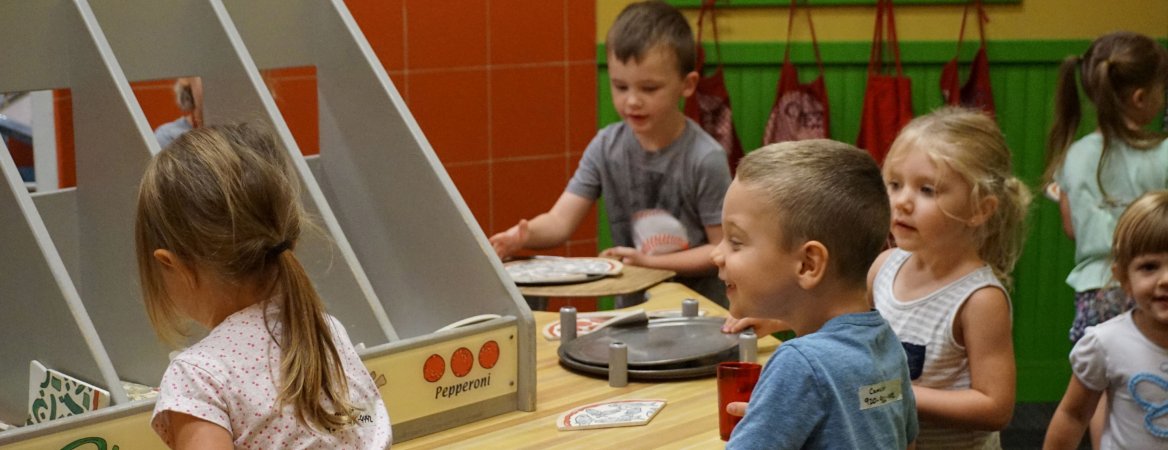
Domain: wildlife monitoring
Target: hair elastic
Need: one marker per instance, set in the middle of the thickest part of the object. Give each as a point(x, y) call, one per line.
point(279, 248)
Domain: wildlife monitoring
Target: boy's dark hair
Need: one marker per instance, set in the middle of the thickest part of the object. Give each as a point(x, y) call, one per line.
point(643, 26)
point(824, 191)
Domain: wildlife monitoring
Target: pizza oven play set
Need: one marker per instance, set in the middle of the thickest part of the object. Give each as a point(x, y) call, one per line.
point(399, 256)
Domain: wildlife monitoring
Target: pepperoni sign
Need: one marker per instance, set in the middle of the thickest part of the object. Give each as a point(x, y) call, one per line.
point(461, 362)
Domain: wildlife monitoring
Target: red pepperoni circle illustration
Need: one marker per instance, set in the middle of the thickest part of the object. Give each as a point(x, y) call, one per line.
point(461, 362)
point(489, 354)
point(434, 368)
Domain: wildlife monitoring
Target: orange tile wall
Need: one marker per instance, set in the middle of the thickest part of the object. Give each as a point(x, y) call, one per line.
point(504, 90)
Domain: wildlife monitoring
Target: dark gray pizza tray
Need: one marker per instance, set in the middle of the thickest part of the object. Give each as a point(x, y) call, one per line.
point(661, 373)
point(669, 343)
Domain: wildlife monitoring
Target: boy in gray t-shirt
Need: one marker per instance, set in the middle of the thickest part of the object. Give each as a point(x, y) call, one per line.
point(663, 178)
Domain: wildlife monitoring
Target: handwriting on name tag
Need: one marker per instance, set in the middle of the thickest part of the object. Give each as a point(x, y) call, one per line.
point(880, 394)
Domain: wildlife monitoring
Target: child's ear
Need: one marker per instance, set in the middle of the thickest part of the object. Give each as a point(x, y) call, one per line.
point(166, 257)
point(690, 83)
point(171, 262)
point(1139, 98)
point(985, 209)
point(1120, 275)
point(813, 264)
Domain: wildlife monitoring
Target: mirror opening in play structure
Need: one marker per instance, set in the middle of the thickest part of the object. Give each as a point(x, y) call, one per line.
point(30, 116)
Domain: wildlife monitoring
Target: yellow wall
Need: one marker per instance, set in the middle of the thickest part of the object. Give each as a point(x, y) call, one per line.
point(1030, 19)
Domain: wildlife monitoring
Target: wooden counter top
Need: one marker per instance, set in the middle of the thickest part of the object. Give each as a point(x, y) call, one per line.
point(689, 419)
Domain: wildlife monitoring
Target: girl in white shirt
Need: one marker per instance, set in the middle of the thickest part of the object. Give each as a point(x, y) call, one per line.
point(1125, 357)
point(218, 217)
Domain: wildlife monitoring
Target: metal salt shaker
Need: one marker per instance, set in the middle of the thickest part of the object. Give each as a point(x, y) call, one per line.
point(618, 364)
point(567, 324)
point(748, 346)
point(689, 308)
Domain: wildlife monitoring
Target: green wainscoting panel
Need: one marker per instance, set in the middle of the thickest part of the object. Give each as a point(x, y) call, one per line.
point(1023, 77)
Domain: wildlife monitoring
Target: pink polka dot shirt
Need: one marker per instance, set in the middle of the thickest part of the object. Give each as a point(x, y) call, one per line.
point(232, 377)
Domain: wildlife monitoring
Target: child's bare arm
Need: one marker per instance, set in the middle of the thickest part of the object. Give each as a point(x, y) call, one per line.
point(188, 431)
point(690, 262)
point(1072, 416)
point(549, 229)
point(984, 325)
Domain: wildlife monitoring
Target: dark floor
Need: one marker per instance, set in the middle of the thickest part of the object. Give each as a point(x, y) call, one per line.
point(1028, 427)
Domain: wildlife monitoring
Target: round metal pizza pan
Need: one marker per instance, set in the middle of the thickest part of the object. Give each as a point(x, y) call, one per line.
point(554, 270)
point(572, 279)
point(680, 341)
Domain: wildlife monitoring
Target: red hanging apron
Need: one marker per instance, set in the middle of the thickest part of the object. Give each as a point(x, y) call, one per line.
point(976, 93)
point(888, 98)
point(709, 105)
point(800, 110)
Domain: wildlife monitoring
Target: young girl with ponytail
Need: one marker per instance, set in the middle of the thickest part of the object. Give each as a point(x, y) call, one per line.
point(217, 222)
point(1123, 75)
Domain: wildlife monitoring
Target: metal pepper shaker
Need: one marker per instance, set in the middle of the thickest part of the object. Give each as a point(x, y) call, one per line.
point(689, 308)
point(618, 364)
point(748, 346)
point(567, 324)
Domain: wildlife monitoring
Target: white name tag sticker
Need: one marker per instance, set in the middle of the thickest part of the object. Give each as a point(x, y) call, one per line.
point(366, 417)
point(880, 394)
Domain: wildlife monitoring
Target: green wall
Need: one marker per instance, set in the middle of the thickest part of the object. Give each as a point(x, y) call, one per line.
point(1023, 77)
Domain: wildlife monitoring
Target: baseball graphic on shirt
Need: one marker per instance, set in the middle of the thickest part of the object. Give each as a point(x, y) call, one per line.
point(656, 232)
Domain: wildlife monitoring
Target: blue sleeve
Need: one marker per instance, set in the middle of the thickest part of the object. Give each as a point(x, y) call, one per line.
point(786, 407)
point(586, 182)
point(713, 179)
point(912, 422)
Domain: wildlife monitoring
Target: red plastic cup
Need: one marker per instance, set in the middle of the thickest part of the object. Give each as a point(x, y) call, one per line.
point(735, 383)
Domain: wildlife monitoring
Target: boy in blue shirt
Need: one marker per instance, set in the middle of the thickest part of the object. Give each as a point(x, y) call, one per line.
point(803, 222)
point(662, 177)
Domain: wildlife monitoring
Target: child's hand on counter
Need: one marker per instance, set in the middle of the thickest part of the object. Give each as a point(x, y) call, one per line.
point(762, 327)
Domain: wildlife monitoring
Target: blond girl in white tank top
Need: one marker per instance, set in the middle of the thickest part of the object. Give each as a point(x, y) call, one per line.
point(957, 214)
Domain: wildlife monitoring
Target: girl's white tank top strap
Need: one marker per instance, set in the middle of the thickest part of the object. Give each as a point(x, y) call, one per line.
point(925, 329)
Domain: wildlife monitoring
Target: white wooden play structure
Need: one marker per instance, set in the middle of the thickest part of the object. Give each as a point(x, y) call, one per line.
point(400, 256)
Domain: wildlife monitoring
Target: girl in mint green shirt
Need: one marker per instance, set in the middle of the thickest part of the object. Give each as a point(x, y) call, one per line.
point(1123, 75)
